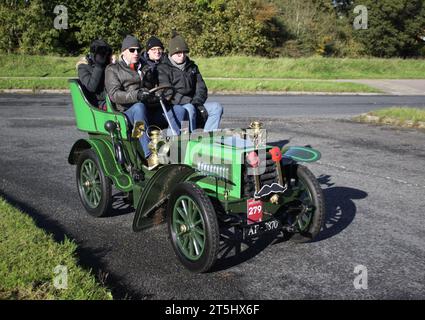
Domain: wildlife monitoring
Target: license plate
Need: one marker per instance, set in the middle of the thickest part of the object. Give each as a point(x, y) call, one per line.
point(262, 227)
point(254, 211)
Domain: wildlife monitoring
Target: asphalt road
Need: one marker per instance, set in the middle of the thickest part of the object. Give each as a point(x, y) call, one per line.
point(373, 181)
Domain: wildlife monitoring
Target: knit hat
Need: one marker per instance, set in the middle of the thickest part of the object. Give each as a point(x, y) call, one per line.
point(177, 44)
point(153, 42)
point(130, 42)
point(96, 44)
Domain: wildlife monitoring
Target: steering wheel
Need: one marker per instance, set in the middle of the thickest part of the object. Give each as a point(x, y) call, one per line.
point(163, 90)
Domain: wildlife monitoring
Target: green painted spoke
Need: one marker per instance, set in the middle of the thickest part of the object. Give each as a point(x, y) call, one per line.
point(190, 245)
point(195, 213)
point(87, 170)
point(185, 243)
point(190, 210)
point(199, 231)
point(199, 241)
point(197, 222)
point(185, 209)
point(91, 197)
point(178, 221)
point(97, 194)
point(85, 176)
point(195, 246)
point(180, 211)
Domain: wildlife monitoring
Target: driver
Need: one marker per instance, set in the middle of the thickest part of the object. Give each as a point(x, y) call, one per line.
point(123, 84)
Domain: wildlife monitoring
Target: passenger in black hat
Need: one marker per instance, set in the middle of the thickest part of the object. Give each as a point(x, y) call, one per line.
point(91, 72)
point(150, 60)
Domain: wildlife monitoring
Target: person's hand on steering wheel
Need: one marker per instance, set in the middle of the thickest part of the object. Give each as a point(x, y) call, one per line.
point(143, 94)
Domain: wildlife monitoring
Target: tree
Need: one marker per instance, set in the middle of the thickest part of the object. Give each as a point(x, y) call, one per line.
point(394, 28)
point(213, 27)
point(107, 19)
point(25, 26)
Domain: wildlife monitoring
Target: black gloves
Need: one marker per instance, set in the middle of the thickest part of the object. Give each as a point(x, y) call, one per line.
point(143, 94)
point(201, 115)
point(102, 55)
point(100, 59)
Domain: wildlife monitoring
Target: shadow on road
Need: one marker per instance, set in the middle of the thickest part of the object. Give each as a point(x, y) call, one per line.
point(340, 207)
point(87, 257)
point(340, 212)
point(232, 251)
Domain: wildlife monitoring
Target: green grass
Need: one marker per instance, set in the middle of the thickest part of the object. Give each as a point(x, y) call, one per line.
point(286, 86)
point(34, 84)
point(405, 117)
point(240, 67)
point(214, 85)
point(37, 66)
point(312, 68)
point(401, 113)
point(28, 256)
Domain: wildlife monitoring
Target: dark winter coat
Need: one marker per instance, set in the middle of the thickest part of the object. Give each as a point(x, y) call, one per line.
point(188, 84)
point(149, 71)
point(122, 84)
point(92, 78)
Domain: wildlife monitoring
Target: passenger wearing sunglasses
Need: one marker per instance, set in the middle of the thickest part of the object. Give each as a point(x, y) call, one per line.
point(123, 82)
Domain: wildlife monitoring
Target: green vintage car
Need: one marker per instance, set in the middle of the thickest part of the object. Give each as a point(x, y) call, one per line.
point(205, 181)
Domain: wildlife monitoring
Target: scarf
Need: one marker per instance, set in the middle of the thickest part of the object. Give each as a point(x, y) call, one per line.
point(180, 66)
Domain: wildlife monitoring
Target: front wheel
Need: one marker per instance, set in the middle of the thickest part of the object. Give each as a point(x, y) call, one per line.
point(193, 227)
point(308, 210)
point(94, 188)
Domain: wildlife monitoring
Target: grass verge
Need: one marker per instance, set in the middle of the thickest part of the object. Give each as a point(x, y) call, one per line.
point(215, 85)
point(240, 67)
point(287, 85)
point(399, 116)
point(28, 258)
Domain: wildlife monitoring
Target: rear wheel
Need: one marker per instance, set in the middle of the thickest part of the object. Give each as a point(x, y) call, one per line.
point(94, 188)
point(193, 227)
point(308, 210)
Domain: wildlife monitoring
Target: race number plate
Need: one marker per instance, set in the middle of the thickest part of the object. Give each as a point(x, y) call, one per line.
point(254, 211)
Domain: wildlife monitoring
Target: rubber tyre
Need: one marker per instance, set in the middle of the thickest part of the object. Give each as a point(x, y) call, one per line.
point(316, 194)
point(102, 203)
point(187, 191)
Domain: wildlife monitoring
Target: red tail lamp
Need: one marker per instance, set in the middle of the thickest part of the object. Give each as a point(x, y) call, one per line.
point(276, 154)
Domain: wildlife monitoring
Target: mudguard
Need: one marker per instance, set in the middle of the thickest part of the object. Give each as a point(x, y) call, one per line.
point(104, 150)
point(301, 154)
point(157, 192)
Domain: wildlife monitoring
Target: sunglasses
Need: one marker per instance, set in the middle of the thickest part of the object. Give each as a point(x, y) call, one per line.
point(135, 49)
